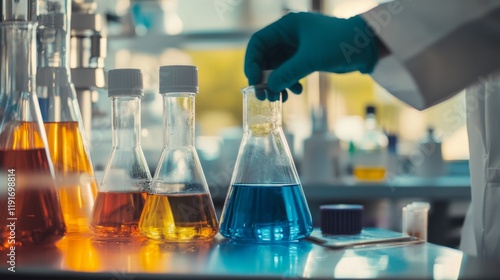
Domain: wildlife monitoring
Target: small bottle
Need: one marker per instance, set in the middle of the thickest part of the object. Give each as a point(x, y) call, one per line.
point(370, 157)
point(30, 209)
point(123, 190)
point(415, 219)
point(429, 153)
point(265, 201)
point(179, 207)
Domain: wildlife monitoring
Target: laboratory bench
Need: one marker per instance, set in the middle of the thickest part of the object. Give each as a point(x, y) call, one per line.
point(83, 256)
point(383, 201)
point(449, 197)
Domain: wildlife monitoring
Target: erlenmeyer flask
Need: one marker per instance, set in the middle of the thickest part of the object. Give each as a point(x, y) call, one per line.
point(122, 193)
point(265, 201)
point(179, 206)
point(31, 212)
point(61, 114)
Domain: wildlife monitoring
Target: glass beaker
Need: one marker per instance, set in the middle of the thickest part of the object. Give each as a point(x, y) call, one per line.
point(179, 206)
point(30, 208)
point(265, 201)
point(122, 193)
point(68, 145)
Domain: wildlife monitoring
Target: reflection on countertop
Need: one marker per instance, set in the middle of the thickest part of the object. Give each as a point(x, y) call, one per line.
point(84, 253)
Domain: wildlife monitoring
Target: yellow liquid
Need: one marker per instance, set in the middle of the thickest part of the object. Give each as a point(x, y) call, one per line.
point(369, 173)
point(179, 217)
point(69, 158)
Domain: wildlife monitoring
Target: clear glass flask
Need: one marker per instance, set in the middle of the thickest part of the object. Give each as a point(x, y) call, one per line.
point(265, 201)
point(31, 212)
point(68, 144)
point(123, 190)
point(179, 206)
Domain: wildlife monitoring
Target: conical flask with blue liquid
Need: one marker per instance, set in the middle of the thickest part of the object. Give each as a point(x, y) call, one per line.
point(265, 201)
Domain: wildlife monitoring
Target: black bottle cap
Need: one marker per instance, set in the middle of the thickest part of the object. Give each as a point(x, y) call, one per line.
point(341, 219)
point(370, 109)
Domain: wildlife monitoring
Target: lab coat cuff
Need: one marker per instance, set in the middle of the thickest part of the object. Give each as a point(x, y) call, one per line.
point(394, 77)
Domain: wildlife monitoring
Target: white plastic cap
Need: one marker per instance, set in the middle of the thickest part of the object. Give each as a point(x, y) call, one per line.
point(125, 82)
point(178, 78)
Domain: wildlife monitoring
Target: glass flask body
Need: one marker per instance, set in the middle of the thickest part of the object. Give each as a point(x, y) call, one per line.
point(265, 201)
point(122, 193)
point(67, 142)
point(31, 212)
point(179, 207)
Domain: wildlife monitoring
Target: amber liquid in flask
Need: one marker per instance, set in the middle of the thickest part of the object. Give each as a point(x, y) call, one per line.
point(265, 201)
point(67, 142)
point(179, 207)
point(69, 156)
point(122, 193)
point(36, 215)
point(31, 212)
point(179, 217)
point(118, 213)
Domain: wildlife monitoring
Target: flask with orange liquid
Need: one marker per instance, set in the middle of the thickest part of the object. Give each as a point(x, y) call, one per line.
point(122, 193)
point(30, 210)
point(67, 142)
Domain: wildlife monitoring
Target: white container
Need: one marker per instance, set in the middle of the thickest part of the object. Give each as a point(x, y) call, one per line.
point(415, 219)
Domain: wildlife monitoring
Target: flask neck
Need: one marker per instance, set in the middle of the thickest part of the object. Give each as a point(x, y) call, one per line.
point(20, 121)
point(18, 58)
point(371, 121)
point(260, 117)
point(53, 33)
point(178, 119)
point(126, 121)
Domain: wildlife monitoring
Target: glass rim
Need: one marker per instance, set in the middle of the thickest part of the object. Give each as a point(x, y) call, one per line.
point(253, 87)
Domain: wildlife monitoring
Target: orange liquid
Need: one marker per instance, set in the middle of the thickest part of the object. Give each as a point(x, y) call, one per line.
point(179, 217)
point(69, 157)
point(369, 173)
point(38, 217)
point(117, 213)
point(21, 136)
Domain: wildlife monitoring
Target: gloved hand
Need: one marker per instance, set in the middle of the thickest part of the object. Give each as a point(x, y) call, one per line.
point(301, 43)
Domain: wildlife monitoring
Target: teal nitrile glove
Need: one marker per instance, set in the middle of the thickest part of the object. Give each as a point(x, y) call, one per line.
point(301, 43)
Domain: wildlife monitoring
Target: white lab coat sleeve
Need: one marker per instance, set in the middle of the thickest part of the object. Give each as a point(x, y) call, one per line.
point(437, 47)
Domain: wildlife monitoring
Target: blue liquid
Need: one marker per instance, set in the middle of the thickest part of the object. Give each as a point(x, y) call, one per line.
point(266, 213)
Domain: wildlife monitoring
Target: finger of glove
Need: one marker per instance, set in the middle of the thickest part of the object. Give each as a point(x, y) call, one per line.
point(284, 95)
point(296, 88)
point(289, 73)
point(261, 94)
point(273, 95)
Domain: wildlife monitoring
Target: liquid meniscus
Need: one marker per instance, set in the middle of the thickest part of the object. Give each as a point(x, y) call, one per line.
point(179, 217)
point(117, 213)
point(69, 156)
point(266, 213)
point(36, 208)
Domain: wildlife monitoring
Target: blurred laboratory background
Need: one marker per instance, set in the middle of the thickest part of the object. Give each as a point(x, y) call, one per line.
point(338, 121)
